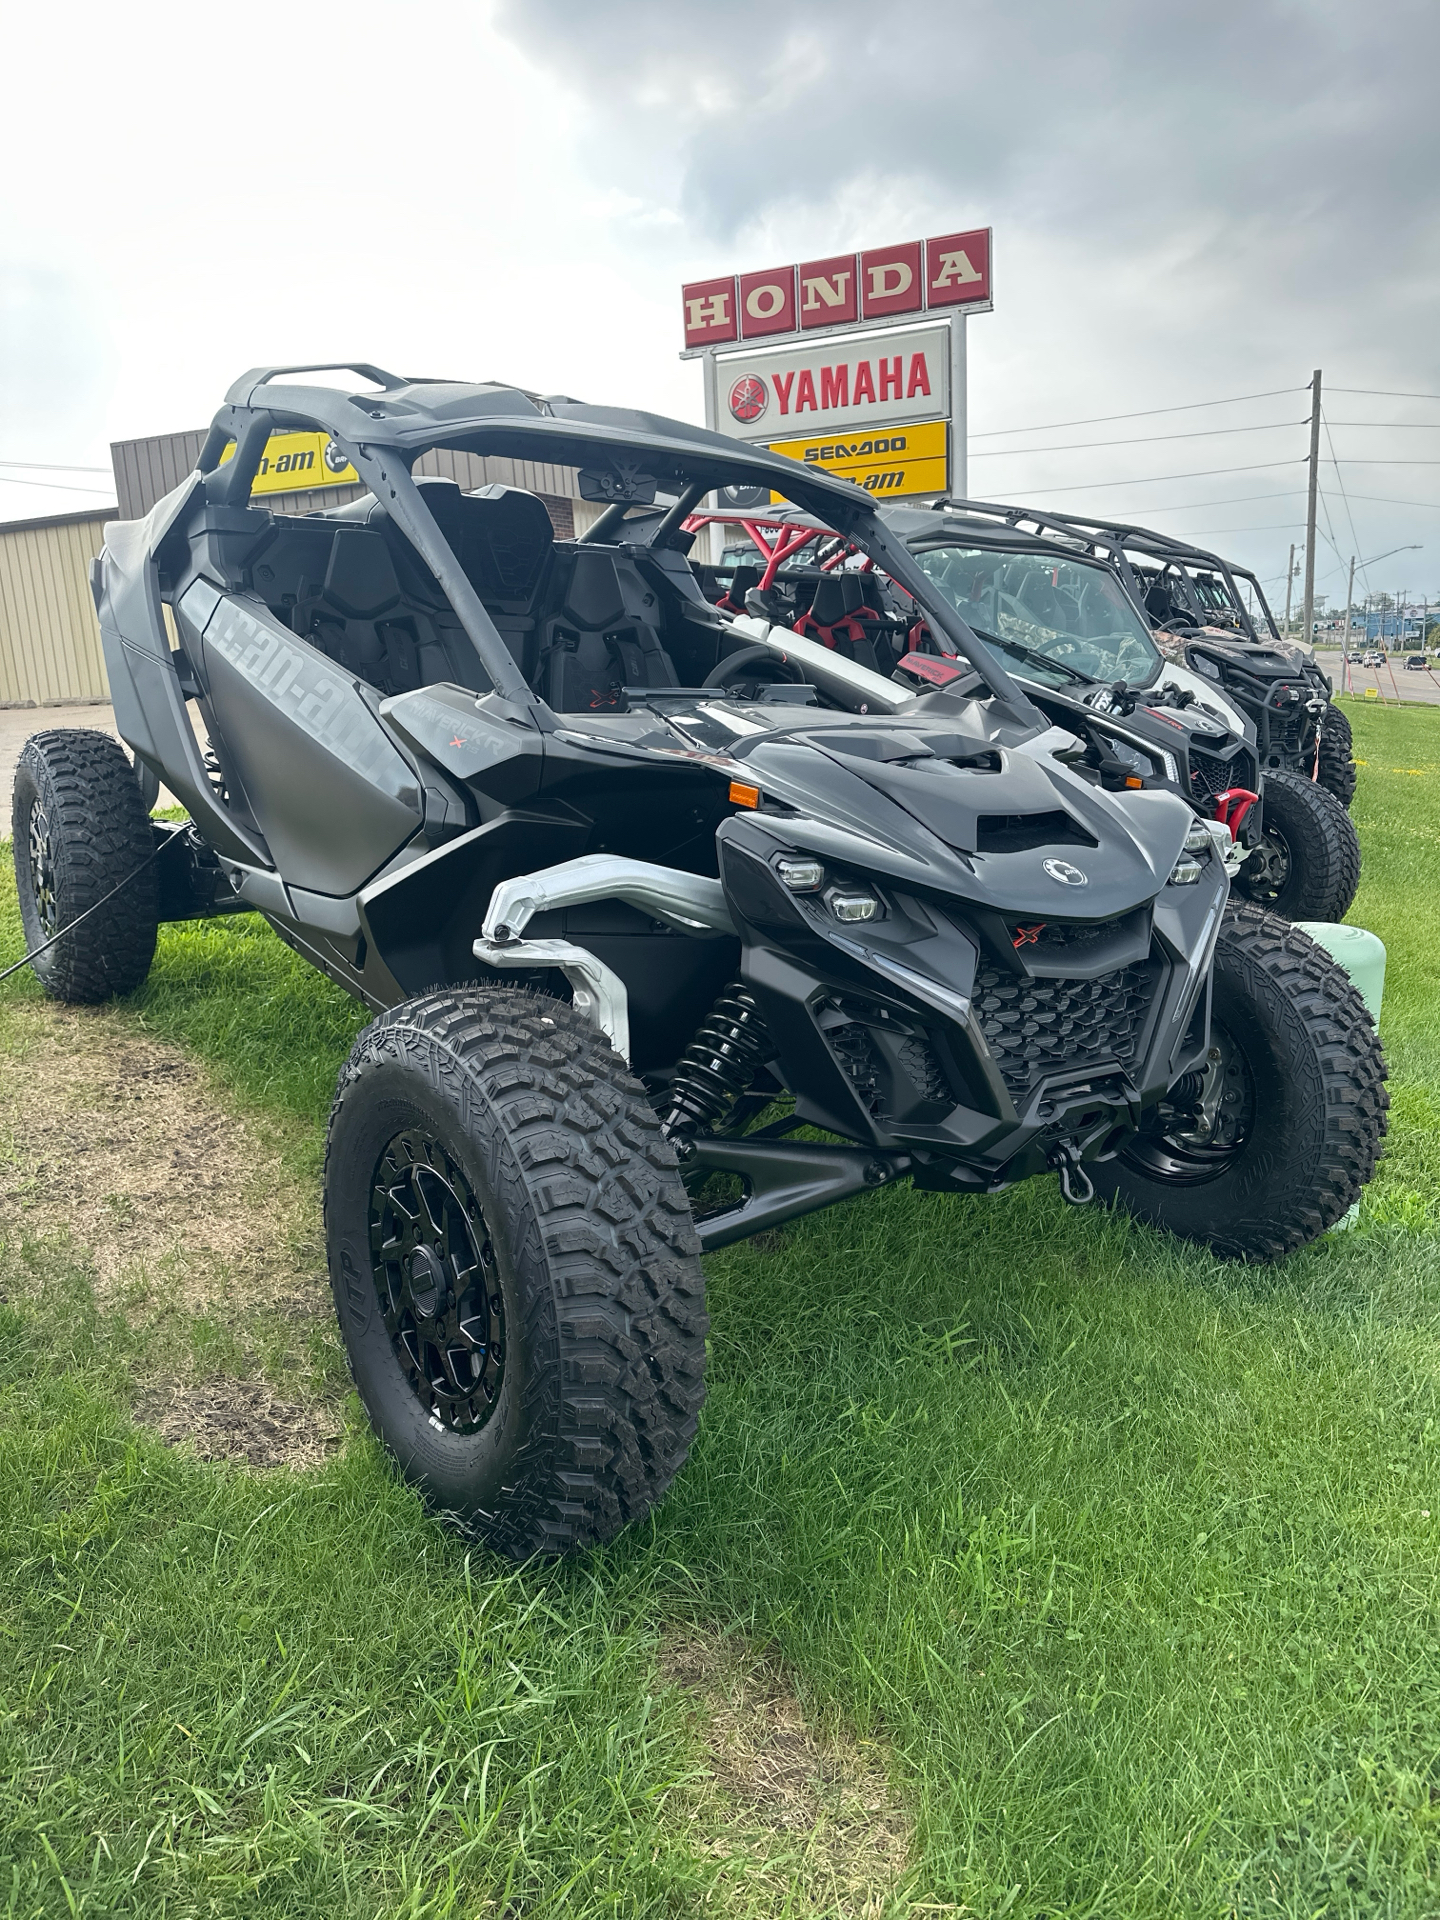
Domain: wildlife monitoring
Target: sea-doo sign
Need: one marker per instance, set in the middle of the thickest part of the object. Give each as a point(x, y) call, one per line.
point(846, 290)
point(837, 386)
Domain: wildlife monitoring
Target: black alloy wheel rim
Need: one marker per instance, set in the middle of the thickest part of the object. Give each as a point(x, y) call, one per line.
point(1169, 1149)
point(438, 1282)
point(1274, 877)
point(42, 871)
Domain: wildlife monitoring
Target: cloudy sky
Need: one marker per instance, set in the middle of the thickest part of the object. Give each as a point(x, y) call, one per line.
point(1191, 204)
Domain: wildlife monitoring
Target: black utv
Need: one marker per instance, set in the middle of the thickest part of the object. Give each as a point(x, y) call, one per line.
point(1214, 616)
point(1068, 630)
point(676, 925)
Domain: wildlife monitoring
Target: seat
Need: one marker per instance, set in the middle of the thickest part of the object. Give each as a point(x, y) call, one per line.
point(741, 581)
point(838, 617)
point(601, 635)
point(1040, 600)
point(379, 611)
point(1161, 608)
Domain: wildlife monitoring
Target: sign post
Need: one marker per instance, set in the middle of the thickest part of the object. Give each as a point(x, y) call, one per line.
point(856, 363)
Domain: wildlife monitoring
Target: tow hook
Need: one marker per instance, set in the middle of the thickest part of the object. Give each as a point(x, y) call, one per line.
point(1075, 1183)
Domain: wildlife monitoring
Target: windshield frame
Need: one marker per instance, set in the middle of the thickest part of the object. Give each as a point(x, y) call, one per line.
point(964, 541)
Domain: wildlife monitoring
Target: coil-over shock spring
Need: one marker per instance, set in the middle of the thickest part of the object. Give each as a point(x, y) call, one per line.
point(719, 1063)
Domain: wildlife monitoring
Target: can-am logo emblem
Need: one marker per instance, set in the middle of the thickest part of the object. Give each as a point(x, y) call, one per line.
point(749, 398)
point(1067, 875)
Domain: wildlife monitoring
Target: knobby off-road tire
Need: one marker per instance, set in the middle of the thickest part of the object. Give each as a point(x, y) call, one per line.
point(1336, 769)
point(539, 1371)
point(1301, 1058)
point(1308, 865)
point(79, 824)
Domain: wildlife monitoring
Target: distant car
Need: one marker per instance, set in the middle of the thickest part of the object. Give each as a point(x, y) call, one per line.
point(1373, 659)
point(1417, 660)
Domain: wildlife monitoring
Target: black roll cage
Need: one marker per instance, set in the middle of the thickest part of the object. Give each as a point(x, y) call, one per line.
point(1112, 537)
point(383, 434)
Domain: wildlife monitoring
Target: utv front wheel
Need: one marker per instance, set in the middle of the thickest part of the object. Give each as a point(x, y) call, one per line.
point(515, 1267)
point(1263, 1150)
point(1307, 865)
point(79, 825)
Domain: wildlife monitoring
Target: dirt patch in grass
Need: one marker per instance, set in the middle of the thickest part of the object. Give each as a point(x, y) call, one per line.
point(224, 1419)
point(120, 1139)
point(813, 1808)
point(118, 1145)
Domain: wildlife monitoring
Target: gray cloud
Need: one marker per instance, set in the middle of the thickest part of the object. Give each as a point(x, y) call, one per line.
point(1115, 113)
point(1187, 200)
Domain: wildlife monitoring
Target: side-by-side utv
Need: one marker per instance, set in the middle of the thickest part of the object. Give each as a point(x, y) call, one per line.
point(1213, 617)
point(1075, 637)
point(676, 924)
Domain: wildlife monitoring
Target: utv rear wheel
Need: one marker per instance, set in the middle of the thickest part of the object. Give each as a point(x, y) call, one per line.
point(1335, 770)
point(515, 1267)
point(1277, 1136)
point(1307, 865)
point(79, 825)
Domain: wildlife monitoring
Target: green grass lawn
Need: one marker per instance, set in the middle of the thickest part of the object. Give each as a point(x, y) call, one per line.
point(1124, 1559)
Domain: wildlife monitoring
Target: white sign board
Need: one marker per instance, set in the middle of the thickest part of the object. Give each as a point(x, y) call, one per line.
point(840, 384)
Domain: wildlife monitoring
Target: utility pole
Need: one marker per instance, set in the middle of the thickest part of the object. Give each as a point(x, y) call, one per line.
point(1310, 508)
point(1349, 604)
point(1289, 578)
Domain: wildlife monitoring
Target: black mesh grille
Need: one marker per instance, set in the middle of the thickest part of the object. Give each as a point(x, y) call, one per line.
point(1035, 1027)
point(922, 1067)
point(1210, 774)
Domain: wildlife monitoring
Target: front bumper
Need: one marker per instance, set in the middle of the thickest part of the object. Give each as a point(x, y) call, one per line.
point(977, 1044)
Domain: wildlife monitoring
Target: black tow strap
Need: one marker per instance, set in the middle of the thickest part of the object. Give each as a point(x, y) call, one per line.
point(120, 885)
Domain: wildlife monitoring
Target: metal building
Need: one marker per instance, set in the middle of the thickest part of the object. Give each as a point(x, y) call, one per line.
point(49, 637)
point(146, 470)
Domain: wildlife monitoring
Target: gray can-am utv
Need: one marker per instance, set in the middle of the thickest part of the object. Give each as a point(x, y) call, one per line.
point(637, 891)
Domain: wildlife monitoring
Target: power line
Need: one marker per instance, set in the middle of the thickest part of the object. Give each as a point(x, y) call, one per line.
point(1384, 393)
point(51, 466)
point(1380, 500)
point(54, 486)
point(1272, 526)
point(1340, 478)
point(1154, 479)
point(1146, 413)
point(1145, 440)
point(1420, 426)
point(1230, 500)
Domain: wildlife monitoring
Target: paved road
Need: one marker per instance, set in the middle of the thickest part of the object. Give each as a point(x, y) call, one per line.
point(1394, 682)
point(18, 723)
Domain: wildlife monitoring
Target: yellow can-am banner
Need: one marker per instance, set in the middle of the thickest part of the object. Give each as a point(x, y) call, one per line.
point(295, 462)
point(889, 463)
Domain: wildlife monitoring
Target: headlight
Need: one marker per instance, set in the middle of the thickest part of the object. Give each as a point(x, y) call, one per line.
point(1185, 872)
point(801, 876)
point(849, 904)
point(1198, 838)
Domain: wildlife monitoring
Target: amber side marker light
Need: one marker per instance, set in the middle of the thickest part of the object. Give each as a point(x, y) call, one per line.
point(1132, 781)
point(743, 796)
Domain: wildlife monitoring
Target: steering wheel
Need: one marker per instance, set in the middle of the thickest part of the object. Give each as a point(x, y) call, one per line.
point(759, 665)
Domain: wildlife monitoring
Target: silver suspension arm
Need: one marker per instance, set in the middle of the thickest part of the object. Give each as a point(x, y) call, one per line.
point(688, 901)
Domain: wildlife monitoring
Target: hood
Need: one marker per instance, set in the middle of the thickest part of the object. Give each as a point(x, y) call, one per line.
point(929, 809)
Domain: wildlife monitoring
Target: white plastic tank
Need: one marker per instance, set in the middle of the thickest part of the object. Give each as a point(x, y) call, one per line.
point(1362, 955)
